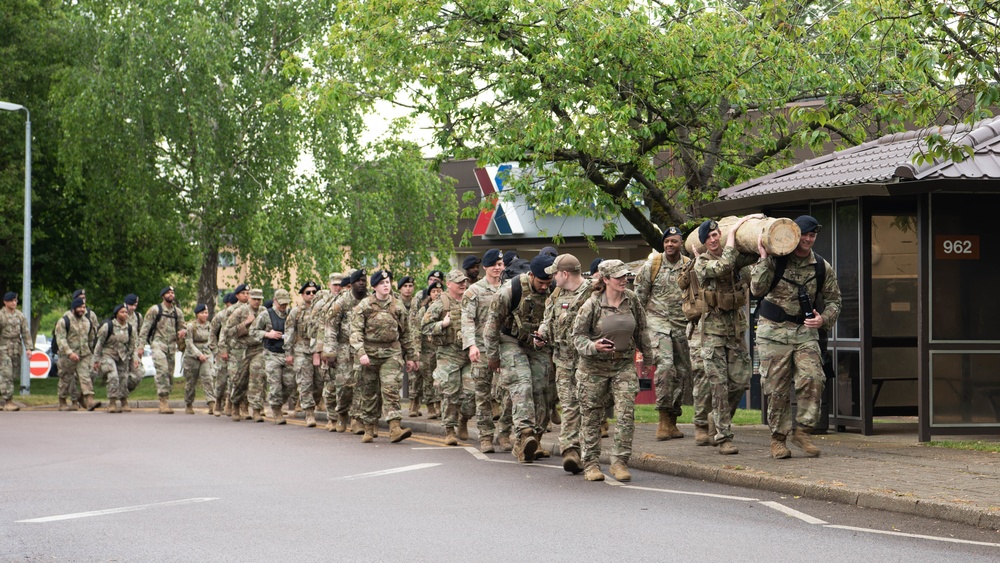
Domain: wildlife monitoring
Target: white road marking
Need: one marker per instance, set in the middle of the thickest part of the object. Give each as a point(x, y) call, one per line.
point(477, 454)
point(115, 510)
point(387, 472)
point(674, 492)
point(905, 535)
point(792, 512)
point(515, 462)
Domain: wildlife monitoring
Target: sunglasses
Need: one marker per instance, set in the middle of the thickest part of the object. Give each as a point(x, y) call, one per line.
point(310, 293)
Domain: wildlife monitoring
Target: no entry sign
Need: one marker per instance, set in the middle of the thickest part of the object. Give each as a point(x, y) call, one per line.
point(39, 365)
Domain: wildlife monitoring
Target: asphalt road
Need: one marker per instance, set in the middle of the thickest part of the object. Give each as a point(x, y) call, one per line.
point(144, 487)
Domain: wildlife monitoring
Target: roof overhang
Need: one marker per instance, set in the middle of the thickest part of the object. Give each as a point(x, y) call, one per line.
point(757, 202)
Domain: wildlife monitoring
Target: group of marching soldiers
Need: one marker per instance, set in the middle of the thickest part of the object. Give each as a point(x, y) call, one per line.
point(502, 348)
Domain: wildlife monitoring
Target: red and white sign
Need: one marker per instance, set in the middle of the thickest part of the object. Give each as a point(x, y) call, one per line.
point(39, 365)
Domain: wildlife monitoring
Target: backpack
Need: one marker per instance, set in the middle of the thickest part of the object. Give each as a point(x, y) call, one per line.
point(693, 305)
point(111, 328)
point(780, 264)
point(55, 341)
point(181, 342)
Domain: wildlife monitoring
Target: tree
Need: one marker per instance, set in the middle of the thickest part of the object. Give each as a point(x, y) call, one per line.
point(641, 108)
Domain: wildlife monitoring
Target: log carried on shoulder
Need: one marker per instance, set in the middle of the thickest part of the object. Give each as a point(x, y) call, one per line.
point(781, 235)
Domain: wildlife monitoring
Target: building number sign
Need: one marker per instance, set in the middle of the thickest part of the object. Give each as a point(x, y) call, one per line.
point(956, 247)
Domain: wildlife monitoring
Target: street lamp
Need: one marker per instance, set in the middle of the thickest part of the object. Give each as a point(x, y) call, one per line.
point(26, 286)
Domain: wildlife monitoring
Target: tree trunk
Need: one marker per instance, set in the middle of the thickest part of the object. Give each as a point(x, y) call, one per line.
point(208, 282)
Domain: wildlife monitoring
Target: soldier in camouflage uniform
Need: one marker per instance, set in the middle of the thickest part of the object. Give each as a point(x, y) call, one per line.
point(723, 324)
point(197, 362)
point(338, 353)
point(15, 338)
point(73, 334)
point(788, 336)
point(381, 341)
point(163, 328)
point(243, 349)
point(322, 306)
point(220, 350)
point(475, 315)
point(661, 298)
point(302, 347)
point(561, 309)
point(509, 336)
point(701, 390)
point(114, 355)
point(270, 328)
point(609, 329)
point(422, 381)
point(453, 375)
point(137, 371)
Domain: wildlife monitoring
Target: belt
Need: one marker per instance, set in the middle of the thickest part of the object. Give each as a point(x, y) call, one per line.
point(373, 344)
point(772, 312)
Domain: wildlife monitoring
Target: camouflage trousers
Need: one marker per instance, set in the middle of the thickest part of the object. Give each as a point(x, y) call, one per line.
point(673, 371)
point(10, 370)
point(195, 371)
point(727, 367)
point(598, 382)
point(482, 380)
point(257, 385)
point(380, 381)
point(422, 388)
point(163, 361)
point(781, 365)
point(701, 389)
point(307, 380)
point(74, 377)
point(569, 395)
point(280, 379)
point(524, 372)
point(136, 372)
point(221, 378)
point(503, 408)
point(453, 379)
point(119, 376)
point(239, 375)
point(339, 389)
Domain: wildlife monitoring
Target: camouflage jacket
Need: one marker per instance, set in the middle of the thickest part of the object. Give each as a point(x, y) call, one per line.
point(338, 323)
point(379, 328)
point(299, 331)
point(217, 337)
point(421, 341)
point(119, 345)
point(165, 331)
point(476, 311)
point(662, 297)
point(14, 332)
point(262, 323)
point(587, 327)
point(321, 306)
point(721, 276)
point(447, 339)
point(238, 331)
point(517, 324)
point(78, 338)
point(786, 296)
point(197, 339)
point(561, 309)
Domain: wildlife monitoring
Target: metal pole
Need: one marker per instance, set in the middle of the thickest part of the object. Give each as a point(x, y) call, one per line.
point(26, 279)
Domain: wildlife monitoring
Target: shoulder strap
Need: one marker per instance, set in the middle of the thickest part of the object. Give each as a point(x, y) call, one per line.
point(515, 292)
point(66, 323)
point(274, 318)
point(556, 292)
point(780, 263)
point(445, 302)
point(654, 267)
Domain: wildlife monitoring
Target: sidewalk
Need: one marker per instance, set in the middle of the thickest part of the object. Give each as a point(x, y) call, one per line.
point(889, 471)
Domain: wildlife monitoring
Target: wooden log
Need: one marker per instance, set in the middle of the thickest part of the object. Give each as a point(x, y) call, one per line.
point(781, 235)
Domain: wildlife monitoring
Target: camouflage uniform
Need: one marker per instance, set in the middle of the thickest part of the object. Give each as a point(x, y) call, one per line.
point(162, 338)
point(453, 374)
point(701, 389)
point(380, 330)
point(723, 346)
point(218, 344)
point(475, 315)
point(336, 344)
point(76, 340)
point(243, 350)
point(561, 309)
point(15, 342)
point(422, 381)
point(661, 298)
point(608, 374)
point(196, 344)
point(523, 369)
point(136, 369)
point(280, 376)
point(301, 345)
point(789, 351)
point(115, 353)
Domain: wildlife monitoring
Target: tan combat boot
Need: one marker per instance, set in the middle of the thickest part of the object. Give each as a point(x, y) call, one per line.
point(329, 425)
point(778, 448)
point(112, 403)
point(245, 411)
point(605, 426)
point(593, 473)
point(369, 436)
point(81, 403)
point(397, 433)
point(620, 471)
point(571, 461)
point(310, 417)
point(675, 432)
point(541, 453)
point(357, 428)
point(701, 436)
point(165, 406)
point(11, 407)
point(342, 421)
point(62, 404)
point(802, 439)
point(727, 447)
point(124, 405)
point(211, 408)
point(503, 442)
point(414, 409)
point(188, 408)
point(662, 432)
point(486, 445)
point(74, 405)
point(555, 417)
point(712, 441)
point(526, 446)
point(463, 428)
point(257, 416)
point(90, 403)
point(228, 409)
point(236, 416)
point(433, 411)
point(277, 415)
point(449, 437)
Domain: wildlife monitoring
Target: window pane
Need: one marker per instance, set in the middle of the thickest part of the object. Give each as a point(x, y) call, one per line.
point(965, 389)
point(823, 213)
point(847, 390)
point(846, 265)
point(894, 275)
point(894, 377)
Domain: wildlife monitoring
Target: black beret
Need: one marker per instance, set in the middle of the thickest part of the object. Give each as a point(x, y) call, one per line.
point(79, 292)
point(671, 232)
point(470, 261)
point(435, 283)
point(346, 281)
point(595, 264)
point(307, 285)
point(165, 290)
point(436, 274)
point(550, 250)
point(358, 275)
point(808, 224)
point(706, 229)
point(492, 256)
point(403, 281)
point(509, 257)
point(9, 296)
point(76, 303)
point(131, 299)
point(379, 276)
point(200, 307)
point(241, 288)
point(538, 265)
point(114, 312)
point(229, 298)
